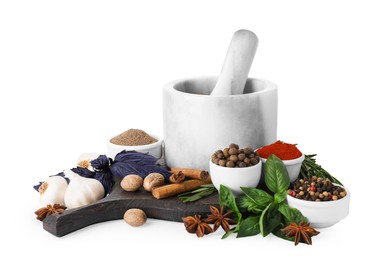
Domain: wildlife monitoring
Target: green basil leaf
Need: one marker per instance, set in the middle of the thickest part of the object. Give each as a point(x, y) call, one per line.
point(279, 197)
point(276, 175)
point(247, 204)
point(227, 199)
point(232, 230)
point(249, 227)
point(260, 197)
point(291, 214)
point(270, 219)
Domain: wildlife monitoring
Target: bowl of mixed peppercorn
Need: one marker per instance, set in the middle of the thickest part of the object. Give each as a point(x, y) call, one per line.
point(321, 201)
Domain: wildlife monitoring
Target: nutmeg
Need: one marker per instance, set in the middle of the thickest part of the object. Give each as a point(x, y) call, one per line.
point(153, 180)
point(131, 182)
point(135, 217)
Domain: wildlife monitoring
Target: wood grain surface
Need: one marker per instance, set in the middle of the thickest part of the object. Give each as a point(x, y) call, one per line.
point(117, 202)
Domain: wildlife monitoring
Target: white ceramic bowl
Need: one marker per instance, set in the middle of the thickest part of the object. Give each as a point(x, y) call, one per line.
point(292, 166)
point(154, 149)
point(322, 214)
point(234, 178)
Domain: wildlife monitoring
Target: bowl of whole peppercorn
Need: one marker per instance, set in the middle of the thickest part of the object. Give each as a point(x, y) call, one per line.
point(235, 168)
point(321, 201)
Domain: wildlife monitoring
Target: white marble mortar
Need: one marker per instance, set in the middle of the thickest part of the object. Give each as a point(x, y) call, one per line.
point(197, 124)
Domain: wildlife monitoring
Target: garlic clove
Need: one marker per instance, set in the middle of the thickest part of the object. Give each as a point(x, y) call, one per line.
point(52, 191)
point(82, 191)
point(84, 160)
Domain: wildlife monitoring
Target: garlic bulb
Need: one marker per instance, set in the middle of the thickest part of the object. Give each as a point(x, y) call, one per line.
point(52, 191)
point(82, 191)
point(84, 160)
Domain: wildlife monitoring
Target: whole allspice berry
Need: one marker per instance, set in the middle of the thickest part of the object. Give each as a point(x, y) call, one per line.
point(234, 146)
point(225, 152)
point(233, 151)
point(135, 217)
point(222, 163)
point(230, 164)
point(241, 157)
point(234, 158)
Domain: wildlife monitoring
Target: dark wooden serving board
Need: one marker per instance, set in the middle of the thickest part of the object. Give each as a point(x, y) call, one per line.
point(117, 202)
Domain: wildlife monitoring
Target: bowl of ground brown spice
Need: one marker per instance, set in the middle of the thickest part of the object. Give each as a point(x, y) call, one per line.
point(135, 140)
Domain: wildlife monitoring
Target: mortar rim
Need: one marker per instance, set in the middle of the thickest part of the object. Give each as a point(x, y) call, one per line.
point(170, 86)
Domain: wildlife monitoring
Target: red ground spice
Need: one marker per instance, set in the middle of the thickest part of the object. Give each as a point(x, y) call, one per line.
point(282, 150)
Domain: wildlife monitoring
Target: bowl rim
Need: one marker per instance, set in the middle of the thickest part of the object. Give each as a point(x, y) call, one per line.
point(288, 162)
point(252, 166)
point(321, 203)
point(137, 147)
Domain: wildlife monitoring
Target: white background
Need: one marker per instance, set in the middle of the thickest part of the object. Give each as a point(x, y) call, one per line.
point(73, 73)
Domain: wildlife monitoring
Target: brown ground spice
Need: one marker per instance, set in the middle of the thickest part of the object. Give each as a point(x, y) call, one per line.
point(133, 137)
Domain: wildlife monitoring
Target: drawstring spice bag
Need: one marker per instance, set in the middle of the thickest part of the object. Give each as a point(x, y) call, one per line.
point(125, 163)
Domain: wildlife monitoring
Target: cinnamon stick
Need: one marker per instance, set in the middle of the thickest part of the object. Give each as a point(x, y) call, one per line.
point(191, 173)
point(177, 188)
point(177, 177)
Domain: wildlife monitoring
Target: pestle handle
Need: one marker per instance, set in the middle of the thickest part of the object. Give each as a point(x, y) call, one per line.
point(237, 64)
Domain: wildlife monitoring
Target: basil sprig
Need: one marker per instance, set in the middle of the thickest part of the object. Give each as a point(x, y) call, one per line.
point(259, 212)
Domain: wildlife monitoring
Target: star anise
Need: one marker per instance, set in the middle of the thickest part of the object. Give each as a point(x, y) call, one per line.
point(302, 232)
point(219, 218)
point(44, 212)
point(196, 225)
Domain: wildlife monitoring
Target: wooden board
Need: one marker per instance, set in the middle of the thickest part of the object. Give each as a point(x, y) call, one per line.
point(117, 202)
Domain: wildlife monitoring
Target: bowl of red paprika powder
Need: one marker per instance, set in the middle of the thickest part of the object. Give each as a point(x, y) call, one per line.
point(288, 153)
